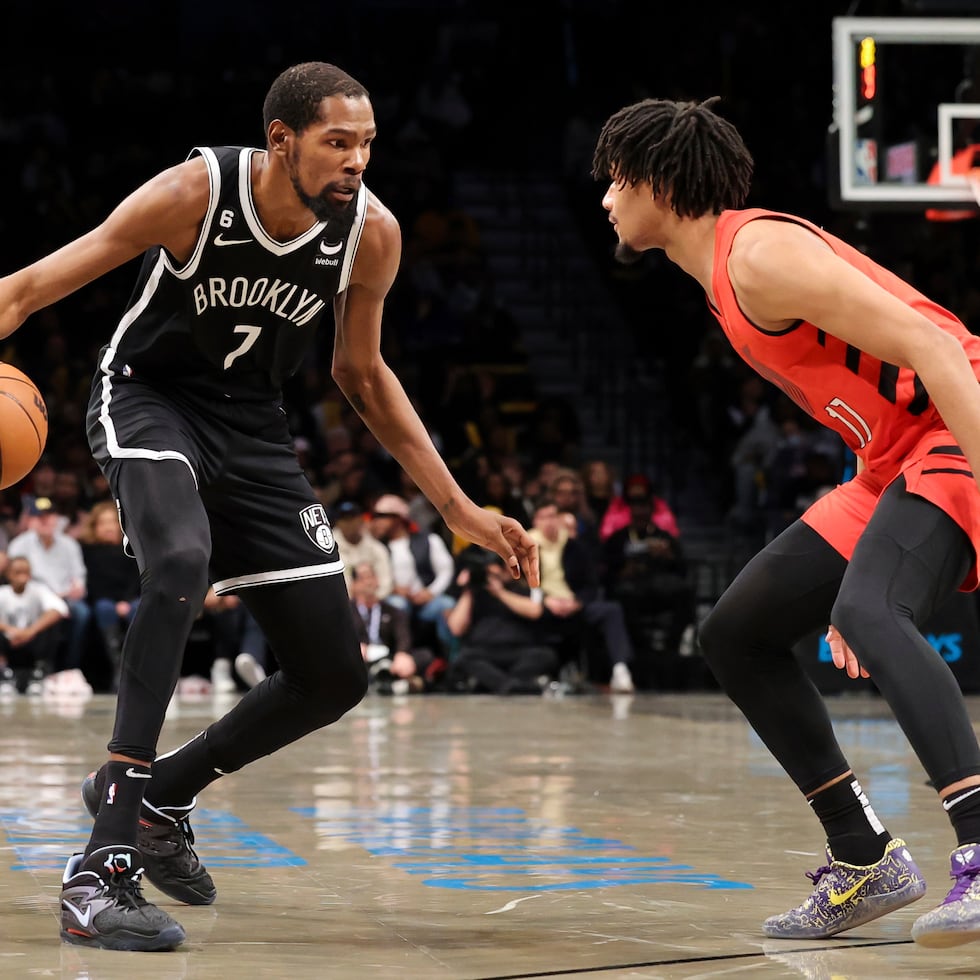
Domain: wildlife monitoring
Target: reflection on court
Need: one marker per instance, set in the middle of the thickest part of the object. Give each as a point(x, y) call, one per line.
point(475, 837)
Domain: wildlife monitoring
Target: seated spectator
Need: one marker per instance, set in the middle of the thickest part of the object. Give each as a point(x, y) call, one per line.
point(498, 492)
point(570, 583)
point(422, 569)
point(227, 634)
point(646, 573)
point(113, 580)
point(68, 499)
point(496, 619)
point(601, 491)
point(56, 560)
point(619, 513)
point(358, 545)
point(29, 611)
point(568, 493)
point(395, 664)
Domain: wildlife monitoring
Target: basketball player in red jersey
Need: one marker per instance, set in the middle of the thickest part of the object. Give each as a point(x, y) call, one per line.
point(895, 375)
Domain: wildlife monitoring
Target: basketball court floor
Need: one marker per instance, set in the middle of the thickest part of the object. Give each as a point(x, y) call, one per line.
point(471, 838)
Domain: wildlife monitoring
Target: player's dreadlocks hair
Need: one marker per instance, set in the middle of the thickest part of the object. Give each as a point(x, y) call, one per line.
point(681, 148)
point(295, 96)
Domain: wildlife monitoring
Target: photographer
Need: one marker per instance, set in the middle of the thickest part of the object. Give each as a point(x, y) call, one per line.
point(496, 619)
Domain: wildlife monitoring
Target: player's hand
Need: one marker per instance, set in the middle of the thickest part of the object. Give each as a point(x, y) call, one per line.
point(843, 656)
point(503, 535)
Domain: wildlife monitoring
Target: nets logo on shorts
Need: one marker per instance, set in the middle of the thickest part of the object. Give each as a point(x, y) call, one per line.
point(317, 526)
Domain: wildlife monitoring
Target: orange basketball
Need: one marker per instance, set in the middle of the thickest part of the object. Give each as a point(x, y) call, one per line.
point(23, 425)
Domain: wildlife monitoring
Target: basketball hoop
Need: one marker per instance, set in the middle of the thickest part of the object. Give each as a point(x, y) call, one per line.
point(965, 163)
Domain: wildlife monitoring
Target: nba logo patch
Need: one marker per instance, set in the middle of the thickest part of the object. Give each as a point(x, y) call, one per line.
point(317, 527)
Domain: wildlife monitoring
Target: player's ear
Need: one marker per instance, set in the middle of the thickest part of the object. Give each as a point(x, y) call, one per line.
point(278, 135)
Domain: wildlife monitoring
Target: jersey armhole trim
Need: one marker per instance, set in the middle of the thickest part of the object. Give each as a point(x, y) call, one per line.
point(353, 239)
point(214, 180)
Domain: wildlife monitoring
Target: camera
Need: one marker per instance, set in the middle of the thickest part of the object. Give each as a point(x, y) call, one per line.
point(476, 561)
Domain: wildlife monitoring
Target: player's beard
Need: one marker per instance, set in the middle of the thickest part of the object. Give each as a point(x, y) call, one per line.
point(626, 254)
point(323, 208)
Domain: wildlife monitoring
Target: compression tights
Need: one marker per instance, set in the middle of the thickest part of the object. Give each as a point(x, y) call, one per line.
point(308, 624)
point(911, 558)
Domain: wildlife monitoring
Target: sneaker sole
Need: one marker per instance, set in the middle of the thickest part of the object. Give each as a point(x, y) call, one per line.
point(130, 942)
point(895, 901)
point(944, 938)
point(179, 893)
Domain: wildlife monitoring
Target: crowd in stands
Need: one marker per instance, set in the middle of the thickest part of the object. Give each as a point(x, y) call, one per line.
point(436, 612)
point(617, 599)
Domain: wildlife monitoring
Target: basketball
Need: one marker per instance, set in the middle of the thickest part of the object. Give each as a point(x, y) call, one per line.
point(23, 425)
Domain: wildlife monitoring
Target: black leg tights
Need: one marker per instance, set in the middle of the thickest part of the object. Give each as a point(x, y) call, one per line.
point(168, 530)
point(911, 557)
point(321, 676)
point(783, 594)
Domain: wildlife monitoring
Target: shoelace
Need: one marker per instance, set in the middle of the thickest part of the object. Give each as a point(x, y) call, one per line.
point(126, 889)
point(815, 876)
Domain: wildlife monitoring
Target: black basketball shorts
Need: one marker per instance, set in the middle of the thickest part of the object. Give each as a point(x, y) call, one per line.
point(267, 525)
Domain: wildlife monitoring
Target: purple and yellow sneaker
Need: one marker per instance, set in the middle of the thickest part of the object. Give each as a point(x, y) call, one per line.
point(848, 895)
point(957, 920)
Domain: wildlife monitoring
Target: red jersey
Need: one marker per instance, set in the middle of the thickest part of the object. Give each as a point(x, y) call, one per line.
point(880, 410)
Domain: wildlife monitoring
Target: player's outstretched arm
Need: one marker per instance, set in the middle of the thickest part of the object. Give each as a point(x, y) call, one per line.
point(379, 398)
point(166, 210)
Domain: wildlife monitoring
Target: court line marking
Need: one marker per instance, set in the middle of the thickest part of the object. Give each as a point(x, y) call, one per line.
point(687, 960)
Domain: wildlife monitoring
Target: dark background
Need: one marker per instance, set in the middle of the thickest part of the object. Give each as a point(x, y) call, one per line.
point(96, 98)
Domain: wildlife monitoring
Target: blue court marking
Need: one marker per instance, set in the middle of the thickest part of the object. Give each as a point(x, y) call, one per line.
point(44, 842)
point(490, 849)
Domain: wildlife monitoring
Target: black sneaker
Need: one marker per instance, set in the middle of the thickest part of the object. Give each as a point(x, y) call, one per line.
point(165, 839)
point(102, 905)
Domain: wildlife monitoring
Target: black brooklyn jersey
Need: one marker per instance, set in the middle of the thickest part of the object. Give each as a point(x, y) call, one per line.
point(237, 318)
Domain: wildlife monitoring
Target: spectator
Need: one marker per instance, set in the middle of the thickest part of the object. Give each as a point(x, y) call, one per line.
point(68, 500)
point(646, 573)
point(570, 583)
point(497, 622)
point(29, 611)
point(112, 579)
point(56, 560)
point(500, 493)
point(358, 545)
point(568, 493)
point(601, 492)
point(422, 568)
point(620, 511)
point(395, 664)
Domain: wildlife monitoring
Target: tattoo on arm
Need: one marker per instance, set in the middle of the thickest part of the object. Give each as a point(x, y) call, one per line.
point(358, 403)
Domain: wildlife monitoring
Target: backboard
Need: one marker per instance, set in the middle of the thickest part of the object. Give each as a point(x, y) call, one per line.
point(906, 113)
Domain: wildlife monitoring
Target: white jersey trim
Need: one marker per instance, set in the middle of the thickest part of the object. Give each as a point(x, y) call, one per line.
point(281, 575)
point(214, 180)
point(353, 239)
point(252, 216)
point(105, 419)
point(132, 452)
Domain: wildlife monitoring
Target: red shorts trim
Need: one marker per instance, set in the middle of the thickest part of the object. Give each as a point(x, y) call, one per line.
point(841, 516)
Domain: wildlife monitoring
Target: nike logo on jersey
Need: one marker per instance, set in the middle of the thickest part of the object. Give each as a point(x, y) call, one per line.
point(219, 240)
point(133, 774)
point(331, 249)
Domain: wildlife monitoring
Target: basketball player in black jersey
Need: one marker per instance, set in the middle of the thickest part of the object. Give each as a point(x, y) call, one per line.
point(245, 251)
